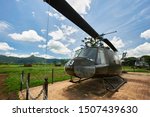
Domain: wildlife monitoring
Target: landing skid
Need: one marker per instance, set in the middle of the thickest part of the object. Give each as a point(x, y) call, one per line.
point(114, 83)
point(78, 81)
point(110, 83)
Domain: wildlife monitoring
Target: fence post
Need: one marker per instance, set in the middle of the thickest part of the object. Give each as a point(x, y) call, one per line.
point(71, 79)
point(21, 82)
point(45, 89)
point(52, 75)
point(27, 90)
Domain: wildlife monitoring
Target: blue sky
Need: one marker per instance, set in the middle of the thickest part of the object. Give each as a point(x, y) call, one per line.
point(24, 25)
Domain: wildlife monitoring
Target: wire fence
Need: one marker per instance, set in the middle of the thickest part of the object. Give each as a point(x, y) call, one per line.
point(28, 80)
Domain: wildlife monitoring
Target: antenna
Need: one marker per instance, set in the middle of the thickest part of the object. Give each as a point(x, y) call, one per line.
point(103, 34)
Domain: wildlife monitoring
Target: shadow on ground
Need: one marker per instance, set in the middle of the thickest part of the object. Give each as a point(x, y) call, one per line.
point(88, 89)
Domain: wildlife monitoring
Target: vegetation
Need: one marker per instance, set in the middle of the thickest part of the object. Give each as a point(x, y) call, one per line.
point(132, 69)
point(38, 73)
point(29, 60)
point(130, 61)
point(13, 68)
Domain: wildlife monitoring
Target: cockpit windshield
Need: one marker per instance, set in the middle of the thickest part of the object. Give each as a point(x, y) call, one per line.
point(89, 53)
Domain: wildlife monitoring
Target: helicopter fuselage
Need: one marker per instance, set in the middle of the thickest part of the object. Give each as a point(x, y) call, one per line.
point(94, 62)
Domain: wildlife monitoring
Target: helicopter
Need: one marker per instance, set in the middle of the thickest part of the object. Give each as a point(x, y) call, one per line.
point(94, 60)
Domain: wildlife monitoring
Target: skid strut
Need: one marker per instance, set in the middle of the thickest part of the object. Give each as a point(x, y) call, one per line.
point(114, 83)
point(110, 83)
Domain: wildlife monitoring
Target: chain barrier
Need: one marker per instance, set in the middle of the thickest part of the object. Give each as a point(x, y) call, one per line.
point(43, 91)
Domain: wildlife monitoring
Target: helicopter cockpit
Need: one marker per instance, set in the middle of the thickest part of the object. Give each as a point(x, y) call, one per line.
point(86, 58)
point(94, 54)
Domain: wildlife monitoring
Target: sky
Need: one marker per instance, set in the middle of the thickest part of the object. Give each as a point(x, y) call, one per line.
point(32, 27)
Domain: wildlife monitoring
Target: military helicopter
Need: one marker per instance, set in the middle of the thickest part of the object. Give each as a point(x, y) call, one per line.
point(93, 60)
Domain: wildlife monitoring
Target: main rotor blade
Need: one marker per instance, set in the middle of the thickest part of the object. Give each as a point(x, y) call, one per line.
point(110, 45)
point(64, 8)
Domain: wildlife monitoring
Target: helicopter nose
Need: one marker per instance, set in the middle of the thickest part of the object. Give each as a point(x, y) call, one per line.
point(84, 68)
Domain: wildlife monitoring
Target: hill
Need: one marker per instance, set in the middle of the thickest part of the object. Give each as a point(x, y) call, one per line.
point(29, 60)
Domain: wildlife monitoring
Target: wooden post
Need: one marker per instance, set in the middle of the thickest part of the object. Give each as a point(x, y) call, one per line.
point(21, 80)
point(27, 90)
point(46, 89)
point(52, 75)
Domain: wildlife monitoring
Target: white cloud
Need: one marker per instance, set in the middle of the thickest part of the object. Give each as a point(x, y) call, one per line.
point(81, 6)
point(77, 48)
point(117, 42)
point(33, 13)
point(4, 25)
point(68, 30)
point(29, 36)
point(57, 35)
point(45, 56)
point(42, 46)
point(62, 32)
point(16, 55)
point(37, 54)
point(5, 47)
point(43, 30)
point(17, 0)
point(72, 41)
point(146, 34)
point(58, 47)
point(143, 49)
point(56, 15)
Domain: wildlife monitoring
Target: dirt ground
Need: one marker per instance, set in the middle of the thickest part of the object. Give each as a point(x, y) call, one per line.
point(2, 89)
point(136, 88)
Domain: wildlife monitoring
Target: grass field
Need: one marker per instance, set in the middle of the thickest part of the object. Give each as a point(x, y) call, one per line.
point(38, 73)
point(130, 69)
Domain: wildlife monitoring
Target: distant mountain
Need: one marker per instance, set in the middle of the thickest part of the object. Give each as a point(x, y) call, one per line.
point(29, 60)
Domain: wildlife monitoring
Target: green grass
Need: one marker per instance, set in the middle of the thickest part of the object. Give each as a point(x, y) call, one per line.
point(130, 69)
point(37, 72)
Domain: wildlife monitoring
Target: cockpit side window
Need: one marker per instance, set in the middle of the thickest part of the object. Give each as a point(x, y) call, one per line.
point(77, 52)
point(101, 57)
point(89, 53)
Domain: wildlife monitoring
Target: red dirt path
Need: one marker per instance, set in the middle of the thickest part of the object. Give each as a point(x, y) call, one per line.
point(136, 88)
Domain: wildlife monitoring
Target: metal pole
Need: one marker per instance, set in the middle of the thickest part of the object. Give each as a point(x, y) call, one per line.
point(52, 75)
point(27, 90)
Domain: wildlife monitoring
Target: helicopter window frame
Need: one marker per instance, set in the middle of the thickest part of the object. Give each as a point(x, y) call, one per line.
point(77, 52)
point(95, 54)
point(101, 58)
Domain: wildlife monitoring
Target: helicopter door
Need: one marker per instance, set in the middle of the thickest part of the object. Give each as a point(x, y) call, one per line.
point(114, 63)
point(101, 57)
point(102, 66)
